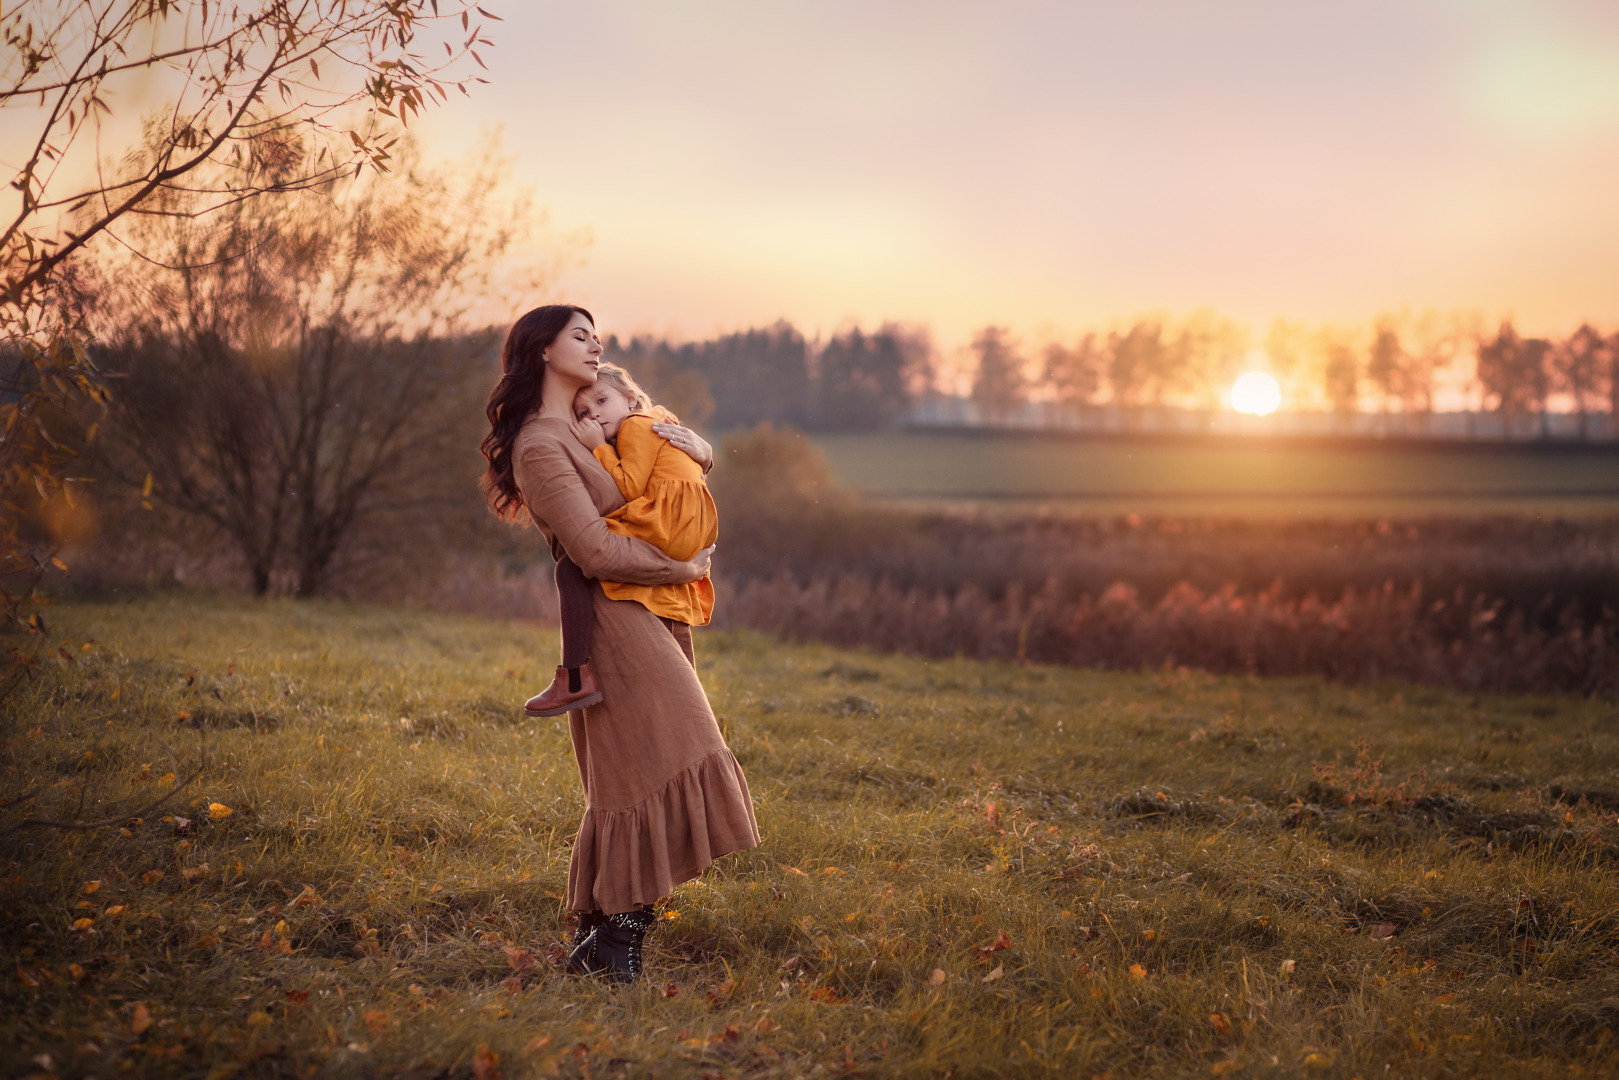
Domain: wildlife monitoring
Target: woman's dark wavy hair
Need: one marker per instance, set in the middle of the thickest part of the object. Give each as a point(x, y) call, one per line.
point(516, 395)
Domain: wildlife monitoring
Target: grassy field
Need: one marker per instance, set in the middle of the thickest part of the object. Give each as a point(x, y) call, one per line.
point(969, 869)
point(1233, 477)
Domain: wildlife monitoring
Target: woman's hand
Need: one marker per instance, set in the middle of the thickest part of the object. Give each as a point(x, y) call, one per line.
point(588, 432)
point(687, 440)
point(695, 568)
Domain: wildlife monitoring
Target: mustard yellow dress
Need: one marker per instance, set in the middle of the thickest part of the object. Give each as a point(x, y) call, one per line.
point(668, 506)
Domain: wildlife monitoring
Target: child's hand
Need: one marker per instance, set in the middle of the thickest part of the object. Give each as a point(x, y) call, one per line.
point(588, 432)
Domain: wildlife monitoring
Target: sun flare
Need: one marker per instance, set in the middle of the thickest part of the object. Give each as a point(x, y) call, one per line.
point(1256, 394)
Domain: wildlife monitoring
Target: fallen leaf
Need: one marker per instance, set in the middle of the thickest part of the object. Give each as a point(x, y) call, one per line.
point(1137, 971)
point(307, 897)
point(218, 811)
point(1316, 1061)
point(536, 1044)
point(796, 870)
point(76, 971)
point(297, 997)
point(671, 914)
point(826, 994)
point(1222, 1026)
point(376, 1020)
point(1000, 969)
point(1149, 934)
point(765, 1025)
point(1445, 999)
point(938, 977)
point(485, 1063)
point(83, 924)
point(140, 1019)
point(1383, 931)
point(518, 959)
point(116, 909)
point(27, 979)
point(1287, 968)
point(790, 964)
point(151, 877)
point(91, 886)
point(1002, 941)
point(670, 990)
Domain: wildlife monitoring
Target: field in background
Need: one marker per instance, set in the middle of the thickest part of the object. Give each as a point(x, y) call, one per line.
point(1229, 477)
point(972, 869)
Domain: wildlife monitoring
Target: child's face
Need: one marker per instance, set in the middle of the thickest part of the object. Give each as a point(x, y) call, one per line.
point(603, 404)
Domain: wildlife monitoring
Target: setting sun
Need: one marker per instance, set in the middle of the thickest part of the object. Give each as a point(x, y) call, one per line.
point(1256, 394)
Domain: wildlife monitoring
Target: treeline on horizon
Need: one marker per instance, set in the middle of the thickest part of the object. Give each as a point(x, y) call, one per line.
point(860, 380)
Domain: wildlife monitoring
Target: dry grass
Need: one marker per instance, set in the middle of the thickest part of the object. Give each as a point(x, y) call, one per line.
point(1463, 640)
point(970, 869)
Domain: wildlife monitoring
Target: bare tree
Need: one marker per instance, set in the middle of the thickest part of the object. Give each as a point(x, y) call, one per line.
point(245, 90)
point(300, 371)
point(1340, 370)
point(1579, 365)
point(1135, 359)
point(999, 384)
point(1074, 373)
point(1388, 365)
point(1513, 370)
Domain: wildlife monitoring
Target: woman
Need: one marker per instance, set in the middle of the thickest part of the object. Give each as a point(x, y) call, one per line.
point(664, 797)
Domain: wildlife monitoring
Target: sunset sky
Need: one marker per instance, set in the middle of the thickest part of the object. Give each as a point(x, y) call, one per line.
point(1055, 165)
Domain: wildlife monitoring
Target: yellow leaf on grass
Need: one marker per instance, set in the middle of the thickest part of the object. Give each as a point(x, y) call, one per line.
point(140, 1019)
point(1222, 1026)
point(671, 914)
point(1137, 971)
point(91, 886)
point(219, 811)
point(83, 924)
point(796, 870)
point(376, 1020)
point(1000, 969)
point(536, 1044)
point(938, 977)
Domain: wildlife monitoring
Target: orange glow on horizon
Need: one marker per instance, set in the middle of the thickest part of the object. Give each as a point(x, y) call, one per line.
point(1256, 393)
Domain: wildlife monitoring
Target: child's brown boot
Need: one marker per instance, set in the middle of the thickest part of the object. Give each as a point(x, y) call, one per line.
point(573, 688)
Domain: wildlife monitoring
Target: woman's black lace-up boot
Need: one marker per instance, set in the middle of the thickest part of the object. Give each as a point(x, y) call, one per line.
point(582, 958)
point(618, 944)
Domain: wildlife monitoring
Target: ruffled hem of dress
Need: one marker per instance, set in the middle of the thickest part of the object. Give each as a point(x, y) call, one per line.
point(623, 859)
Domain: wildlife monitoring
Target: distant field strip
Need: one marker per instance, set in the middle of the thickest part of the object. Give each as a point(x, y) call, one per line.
point(1109, 476)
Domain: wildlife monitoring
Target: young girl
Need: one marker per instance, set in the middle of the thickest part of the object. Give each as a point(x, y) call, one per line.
point(668, 506)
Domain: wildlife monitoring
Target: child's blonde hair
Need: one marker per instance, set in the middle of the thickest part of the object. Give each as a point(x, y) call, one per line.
point(624, 383)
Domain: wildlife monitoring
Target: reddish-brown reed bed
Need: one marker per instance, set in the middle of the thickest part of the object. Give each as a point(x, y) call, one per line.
point(1464, 639)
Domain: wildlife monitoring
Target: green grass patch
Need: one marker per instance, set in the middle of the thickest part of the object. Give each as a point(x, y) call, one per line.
point(969, 869)
point(1228, 477)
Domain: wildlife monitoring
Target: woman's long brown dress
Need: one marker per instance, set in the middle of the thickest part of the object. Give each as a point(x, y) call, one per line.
point(664, 796)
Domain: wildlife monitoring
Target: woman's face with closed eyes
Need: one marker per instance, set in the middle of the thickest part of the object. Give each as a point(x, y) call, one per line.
point(576, 352)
